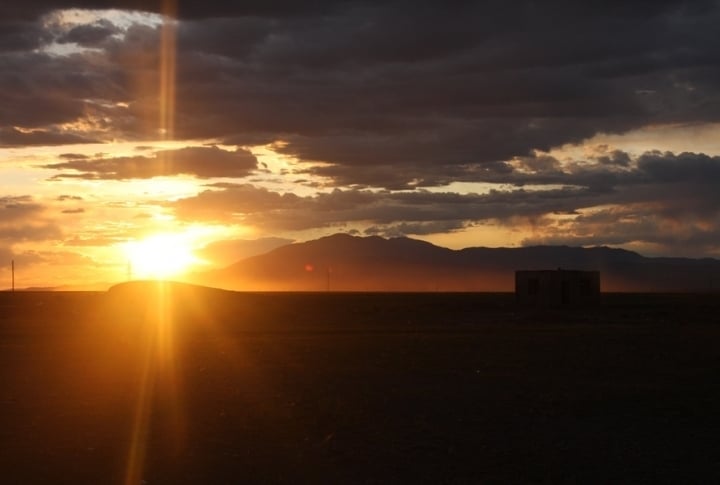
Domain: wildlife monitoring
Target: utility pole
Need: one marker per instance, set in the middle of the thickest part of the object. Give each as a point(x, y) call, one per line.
point(12, 266)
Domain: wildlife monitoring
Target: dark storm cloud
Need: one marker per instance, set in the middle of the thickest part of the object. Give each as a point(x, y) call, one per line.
point(615, 157)
point(415, 228)
point(89, 35)
point(11, 137)
point(50, 99)
point(651, 200)
point(420, 210)
point(30, 10)
point(186, 9)
point(391, 95)
point(429, 95)
point(686, 184)
point(669, 201)
point(685, 167)
point(633, 225)
point(202, 162)
point(39, 93)
point(33, 95)
point(371, 85)
point(21, 36)
point(423, 85)
point(412, 176)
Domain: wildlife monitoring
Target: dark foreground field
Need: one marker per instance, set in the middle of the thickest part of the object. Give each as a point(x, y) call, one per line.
point(141, 386)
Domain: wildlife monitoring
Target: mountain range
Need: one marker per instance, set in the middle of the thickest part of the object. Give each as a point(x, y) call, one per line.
point(342, 262)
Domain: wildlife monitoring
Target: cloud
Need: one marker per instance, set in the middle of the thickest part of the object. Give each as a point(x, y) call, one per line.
point(421, 228)
point(66, 197)
point(233, 201)
point(26, 260)
point(668, 200)
point(11, 137)
point(369, 83)
point(636, 226)
point(202, 162)
point(684, 167)
point(89, 35)
point(22, 219)
point(396, 100)
point(417, 210)
point(16, 208)
point(20, 258)
point(21, 36)
point(77, 97)
point(434, 88)
point(206, 9)
point(64, 258)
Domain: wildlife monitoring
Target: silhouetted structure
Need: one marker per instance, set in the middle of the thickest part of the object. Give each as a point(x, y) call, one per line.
point(557, 287)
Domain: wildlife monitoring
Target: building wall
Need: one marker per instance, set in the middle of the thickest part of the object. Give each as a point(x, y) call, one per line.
point(557, 287)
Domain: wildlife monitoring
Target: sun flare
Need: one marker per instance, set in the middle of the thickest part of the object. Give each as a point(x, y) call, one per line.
point(160, 256)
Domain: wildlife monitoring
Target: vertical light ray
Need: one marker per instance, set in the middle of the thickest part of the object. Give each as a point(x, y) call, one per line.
point(159, 386)
point(141, 419)
point(168, 45)
point(170, 385)
point(159, 381)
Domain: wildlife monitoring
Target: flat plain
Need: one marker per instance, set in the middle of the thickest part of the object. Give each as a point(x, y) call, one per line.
point(165, 385)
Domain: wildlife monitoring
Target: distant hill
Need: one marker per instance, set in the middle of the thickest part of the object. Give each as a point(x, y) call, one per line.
point(146, 298)
point(347, 263)
point(146, 289)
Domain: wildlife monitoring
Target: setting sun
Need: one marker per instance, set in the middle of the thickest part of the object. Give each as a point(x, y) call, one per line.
point(160, 256)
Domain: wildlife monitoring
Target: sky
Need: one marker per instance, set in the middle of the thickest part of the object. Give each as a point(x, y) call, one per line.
point(137, 137)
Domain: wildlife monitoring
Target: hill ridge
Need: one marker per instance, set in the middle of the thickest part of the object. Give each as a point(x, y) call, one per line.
point(345, 262)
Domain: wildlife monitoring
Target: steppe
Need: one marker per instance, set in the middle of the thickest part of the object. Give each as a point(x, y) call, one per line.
point(162, 384)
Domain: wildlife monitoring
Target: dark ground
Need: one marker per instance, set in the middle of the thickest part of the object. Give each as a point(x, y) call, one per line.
point(358, 388)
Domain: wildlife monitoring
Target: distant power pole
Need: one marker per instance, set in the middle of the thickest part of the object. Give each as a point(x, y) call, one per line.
point(327, 286)
point(12, 270)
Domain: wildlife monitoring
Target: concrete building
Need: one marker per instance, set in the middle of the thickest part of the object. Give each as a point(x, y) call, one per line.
point(557, 287)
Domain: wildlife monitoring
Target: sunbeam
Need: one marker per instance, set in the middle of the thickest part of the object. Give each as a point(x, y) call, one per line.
point(168, 48)
point(159, 382)
point(159, 387)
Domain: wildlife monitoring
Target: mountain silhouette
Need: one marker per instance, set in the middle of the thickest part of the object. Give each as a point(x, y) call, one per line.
point(342, 262)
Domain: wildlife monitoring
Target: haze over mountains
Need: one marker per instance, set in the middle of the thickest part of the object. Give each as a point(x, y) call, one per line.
point(348, 263)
